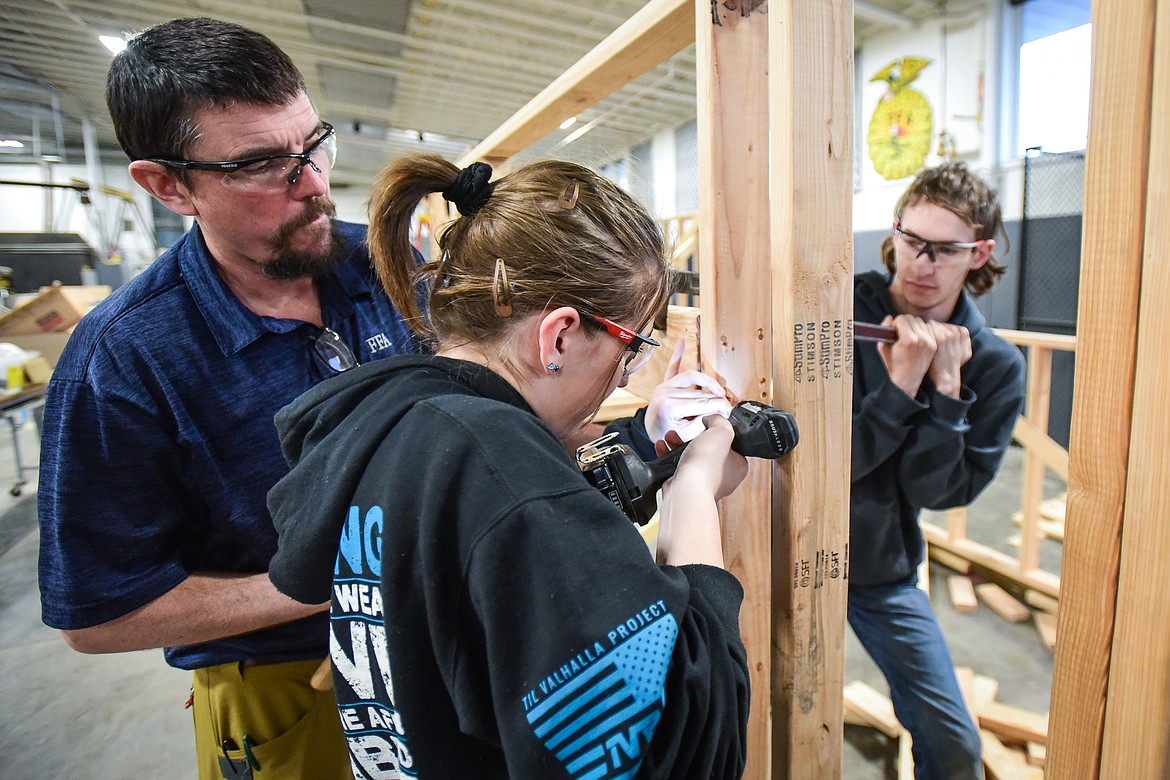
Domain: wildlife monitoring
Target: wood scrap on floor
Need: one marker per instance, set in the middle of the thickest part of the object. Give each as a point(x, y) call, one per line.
point(1014, 723)
point(1002, 603)
point(905, 757)
point(962, 592)
point(1003, 763)
point(866, 706)
point(986, 689)
point(965, 676)
point(1014, 739)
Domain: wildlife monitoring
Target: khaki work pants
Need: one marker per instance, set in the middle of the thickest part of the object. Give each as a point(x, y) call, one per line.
point(268, 723)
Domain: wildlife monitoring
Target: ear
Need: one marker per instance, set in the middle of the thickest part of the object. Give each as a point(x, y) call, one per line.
point(163, 186)
point(553, 334)
point(983, 254)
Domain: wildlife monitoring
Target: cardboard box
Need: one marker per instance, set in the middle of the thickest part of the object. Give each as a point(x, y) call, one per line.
point(50, 345)
point(57, 309)
point(37, 370)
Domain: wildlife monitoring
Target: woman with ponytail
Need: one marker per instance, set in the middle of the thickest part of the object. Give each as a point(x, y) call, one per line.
point(493, 614)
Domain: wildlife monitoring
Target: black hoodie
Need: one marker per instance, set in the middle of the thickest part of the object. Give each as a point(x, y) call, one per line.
point(929, 452)
point(526, 631)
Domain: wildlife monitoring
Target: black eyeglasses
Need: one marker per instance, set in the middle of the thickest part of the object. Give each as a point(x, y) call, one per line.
point(333, 351)
point(271, 172)
point(939, 252)
point(640, 347)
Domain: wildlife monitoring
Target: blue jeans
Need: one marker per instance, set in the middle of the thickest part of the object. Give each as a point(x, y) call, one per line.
point(897, 627)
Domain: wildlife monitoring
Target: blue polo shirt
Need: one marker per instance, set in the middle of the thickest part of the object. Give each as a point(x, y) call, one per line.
point(158, 446)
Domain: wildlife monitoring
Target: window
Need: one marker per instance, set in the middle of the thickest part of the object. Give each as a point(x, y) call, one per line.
point(1048, 50)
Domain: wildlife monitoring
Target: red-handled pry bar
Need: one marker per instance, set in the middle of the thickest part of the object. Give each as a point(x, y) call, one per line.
point(866, 331)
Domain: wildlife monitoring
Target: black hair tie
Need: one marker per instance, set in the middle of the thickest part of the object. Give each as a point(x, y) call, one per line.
point(471, 189)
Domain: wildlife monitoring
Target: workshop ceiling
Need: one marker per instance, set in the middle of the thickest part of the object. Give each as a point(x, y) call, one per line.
point(394, 76)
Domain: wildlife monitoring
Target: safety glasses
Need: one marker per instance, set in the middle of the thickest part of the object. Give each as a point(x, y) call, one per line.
point(640, 347)
point(939, 252)
point(267, 173)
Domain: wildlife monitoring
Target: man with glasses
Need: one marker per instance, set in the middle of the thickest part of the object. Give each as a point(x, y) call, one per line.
point(159, 444)
point(933, 412)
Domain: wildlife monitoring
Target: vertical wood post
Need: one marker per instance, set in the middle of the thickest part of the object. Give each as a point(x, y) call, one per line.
point(1137, 712)
point(1116, 169)
point(1032, 491)
point(811, 118)
point(731, 47)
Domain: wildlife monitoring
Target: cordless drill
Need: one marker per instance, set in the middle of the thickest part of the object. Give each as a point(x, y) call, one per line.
point(761, 431)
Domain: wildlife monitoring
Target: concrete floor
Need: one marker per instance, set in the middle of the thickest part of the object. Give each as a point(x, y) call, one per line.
point(67, 715)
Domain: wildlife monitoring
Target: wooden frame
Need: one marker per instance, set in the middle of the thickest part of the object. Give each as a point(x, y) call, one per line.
point(1096, 696)
point(810, 66)
point(735, 303)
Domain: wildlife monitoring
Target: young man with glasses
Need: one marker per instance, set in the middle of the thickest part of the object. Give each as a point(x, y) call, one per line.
point(933, 413)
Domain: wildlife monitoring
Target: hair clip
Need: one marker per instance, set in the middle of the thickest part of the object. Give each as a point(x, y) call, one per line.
point(501, 290)
point(569, 194)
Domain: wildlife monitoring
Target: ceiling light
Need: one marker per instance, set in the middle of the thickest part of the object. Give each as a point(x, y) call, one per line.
point(115, 43)
point(10, 143)
point(568, 123)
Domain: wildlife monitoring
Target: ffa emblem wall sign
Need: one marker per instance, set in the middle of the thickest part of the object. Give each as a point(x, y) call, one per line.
point(900, 130)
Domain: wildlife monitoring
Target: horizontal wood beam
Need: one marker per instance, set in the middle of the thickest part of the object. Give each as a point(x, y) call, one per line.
point(1028, 338)
point(660, 30)
point(993, 560)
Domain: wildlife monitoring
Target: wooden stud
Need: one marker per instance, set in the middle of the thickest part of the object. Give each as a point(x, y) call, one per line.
point(962, 593)
point(1032, 489)
point(1117, 165)
point(1136, 710)
point(957, 523)
point(810, 67)
point(736, 302)
point(1002, 603)
point(1036, 754)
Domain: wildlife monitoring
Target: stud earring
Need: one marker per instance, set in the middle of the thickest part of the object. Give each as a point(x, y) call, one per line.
point(553, 367)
